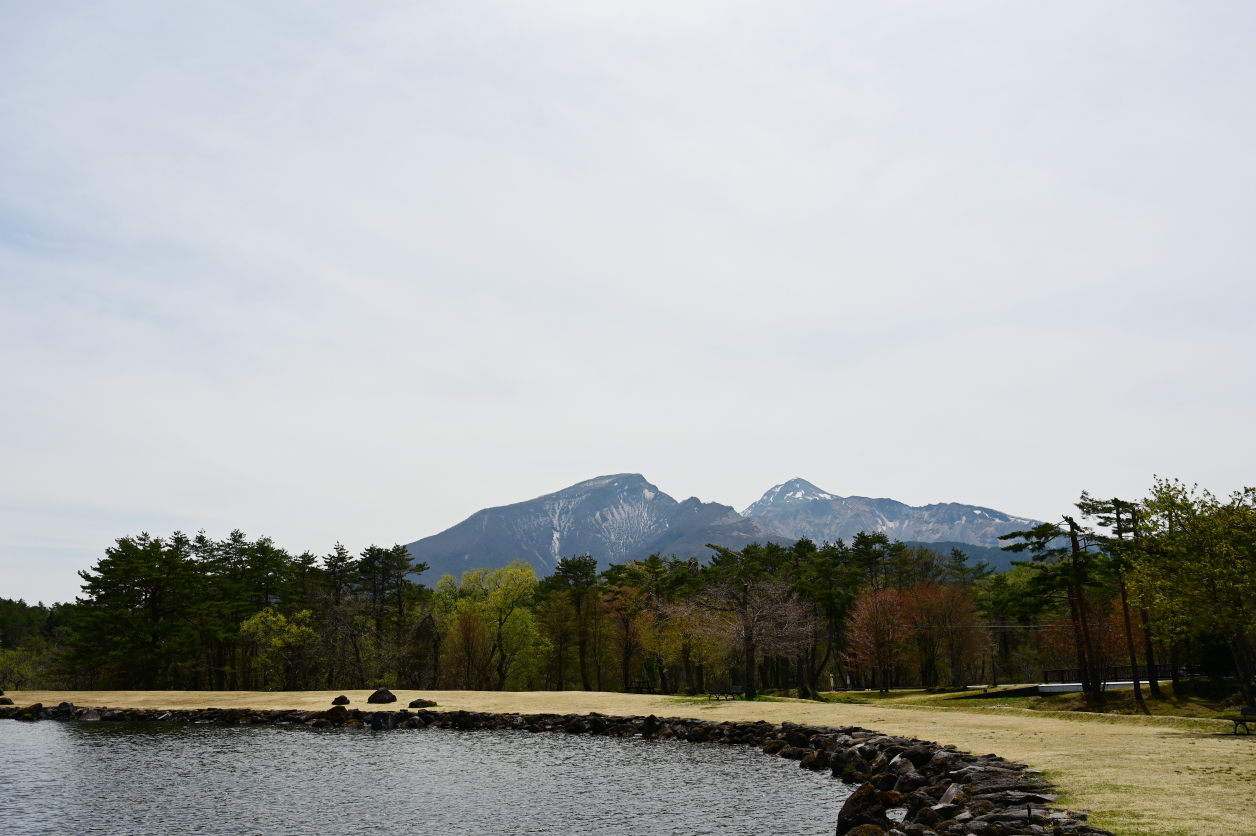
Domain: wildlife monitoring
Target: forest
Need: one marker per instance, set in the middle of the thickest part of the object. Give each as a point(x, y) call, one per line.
point(1150, 589)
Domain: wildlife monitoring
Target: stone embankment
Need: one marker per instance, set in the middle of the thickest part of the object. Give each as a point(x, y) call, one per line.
point(907, 787)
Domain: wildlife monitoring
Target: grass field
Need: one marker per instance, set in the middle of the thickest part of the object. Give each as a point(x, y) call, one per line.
point(1135, 774)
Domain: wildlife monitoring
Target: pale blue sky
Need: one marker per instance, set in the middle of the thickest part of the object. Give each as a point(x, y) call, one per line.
point(353, 271)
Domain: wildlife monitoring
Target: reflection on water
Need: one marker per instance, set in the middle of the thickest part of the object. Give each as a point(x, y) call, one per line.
point(129, 778)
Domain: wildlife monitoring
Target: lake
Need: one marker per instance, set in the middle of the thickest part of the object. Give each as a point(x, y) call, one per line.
point(128, 778)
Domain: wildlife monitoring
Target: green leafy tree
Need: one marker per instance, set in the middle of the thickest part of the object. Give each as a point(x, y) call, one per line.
point(133, 625)
point(1067, 559)
point(578, 576)
point(283, 649)
point(1197, 567)
point(559, 625)
point(504, 597)
point(742, 588)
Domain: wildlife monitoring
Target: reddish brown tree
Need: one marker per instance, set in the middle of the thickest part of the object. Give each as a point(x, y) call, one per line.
point(878, 634)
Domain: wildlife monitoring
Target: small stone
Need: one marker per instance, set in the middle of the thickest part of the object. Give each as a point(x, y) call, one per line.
point(340, 700)
point(421, 703)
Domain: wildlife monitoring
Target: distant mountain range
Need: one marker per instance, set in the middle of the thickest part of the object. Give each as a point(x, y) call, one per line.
point(624, 517)
point(799, 509)
point(614, 518)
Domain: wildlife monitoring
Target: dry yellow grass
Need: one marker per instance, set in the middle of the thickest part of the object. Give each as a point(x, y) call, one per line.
point(1138, 775)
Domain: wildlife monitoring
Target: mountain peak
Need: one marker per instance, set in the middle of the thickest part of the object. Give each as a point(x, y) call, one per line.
point(796, 491)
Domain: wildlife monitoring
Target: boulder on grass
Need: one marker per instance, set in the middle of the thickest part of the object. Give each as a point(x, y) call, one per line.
point(381, 696)
point(5, 701)
point(422, 703)
point(340, 700)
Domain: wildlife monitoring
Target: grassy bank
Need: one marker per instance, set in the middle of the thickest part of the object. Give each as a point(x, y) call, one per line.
point(1137, 775)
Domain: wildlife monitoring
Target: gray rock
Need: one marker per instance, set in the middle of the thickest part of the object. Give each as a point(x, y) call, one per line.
point(863, 807)
point(384, 720)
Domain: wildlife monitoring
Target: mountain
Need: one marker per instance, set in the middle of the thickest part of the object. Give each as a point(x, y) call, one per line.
point(614, 518)
point(799, 509)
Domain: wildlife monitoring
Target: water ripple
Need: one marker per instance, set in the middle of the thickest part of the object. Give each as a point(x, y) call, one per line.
point(106, 778)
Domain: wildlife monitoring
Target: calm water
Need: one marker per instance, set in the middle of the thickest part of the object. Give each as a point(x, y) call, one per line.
point(107, 778)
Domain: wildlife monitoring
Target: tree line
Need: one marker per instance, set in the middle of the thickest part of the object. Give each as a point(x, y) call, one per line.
point(1165, 581)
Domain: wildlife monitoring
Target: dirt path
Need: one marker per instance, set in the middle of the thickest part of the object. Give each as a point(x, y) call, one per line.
point(1137, 775)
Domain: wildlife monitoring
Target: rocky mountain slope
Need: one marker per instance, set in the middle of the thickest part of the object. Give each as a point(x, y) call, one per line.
point(614, 518)
point(798, 509)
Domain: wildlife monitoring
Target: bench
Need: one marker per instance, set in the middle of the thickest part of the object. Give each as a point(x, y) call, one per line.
point(722, 693)
point(1242, 720)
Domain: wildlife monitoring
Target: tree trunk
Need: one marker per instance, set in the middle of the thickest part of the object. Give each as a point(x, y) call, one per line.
point(1173, 673)
point(435, 658)
point(803, 692)
point(582, 640)
point(561, 652)
point(1079, 593)
point(748, 648)
point(1242, 651)
point(1129, 640)
point(1082, 671)
point(1153, 675)
point(816, 670)
point(1091, 671)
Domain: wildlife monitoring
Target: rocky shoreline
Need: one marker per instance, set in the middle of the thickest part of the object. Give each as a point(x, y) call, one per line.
point(907, 787)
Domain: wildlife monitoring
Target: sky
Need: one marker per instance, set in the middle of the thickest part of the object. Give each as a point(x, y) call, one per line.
point(351, 272)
